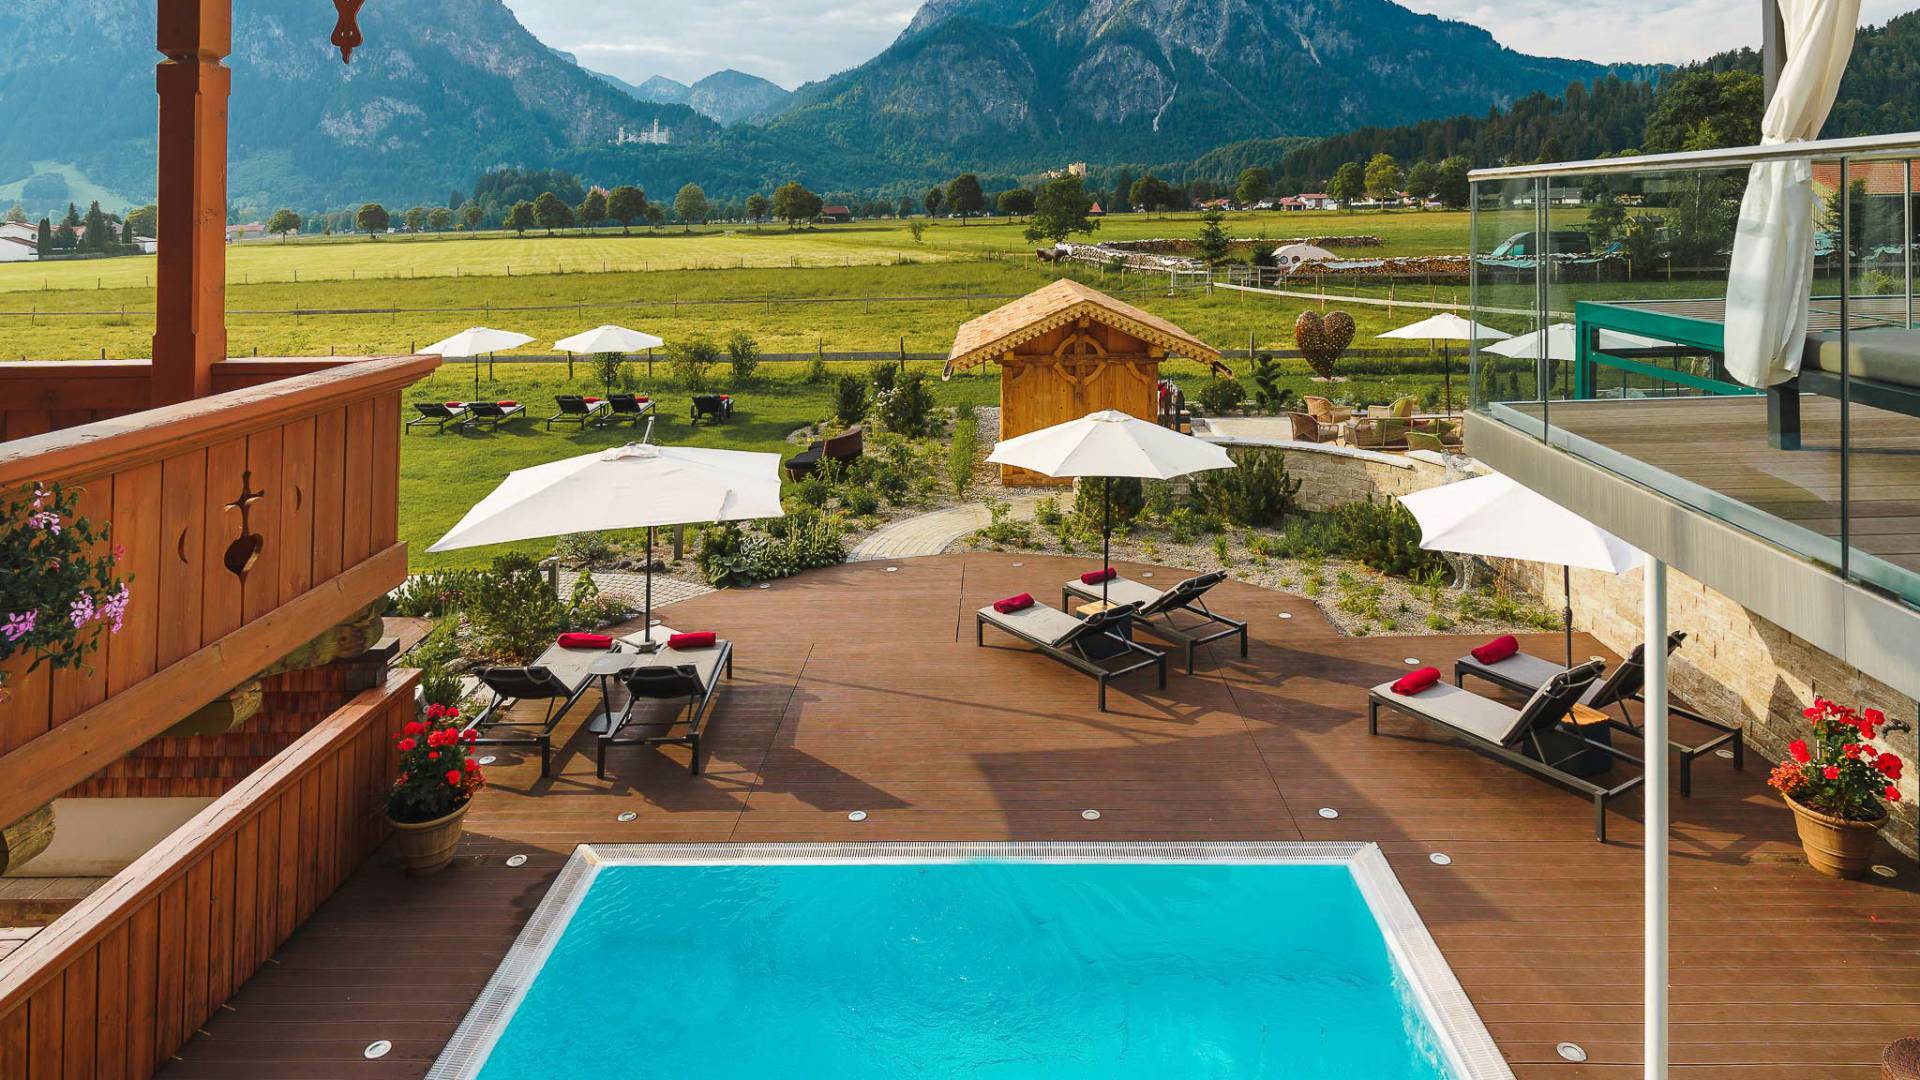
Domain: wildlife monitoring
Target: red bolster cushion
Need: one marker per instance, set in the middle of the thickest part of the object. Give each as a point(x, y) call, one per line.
point(1497, 650)
point(506, 404)
point(585, 641)
point(454, 404)
point(702, 639)
point(1095, 577)
point(591, 400)
point(1415, 681)
point(1013, 603)
point(726, 397)
point(639, 398)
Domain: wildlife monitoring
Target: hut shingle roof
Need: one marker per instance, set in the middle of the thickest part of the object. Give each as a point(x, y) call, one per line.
point(1052, 306)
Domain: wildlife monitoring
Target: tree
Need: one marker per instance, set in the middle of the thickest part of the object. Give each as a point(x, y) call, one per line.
point(1015, 202)
point(455, 198)
point(283, 222)
point(1423, 181)
point(794, 204)
point(521, 217)
point(1384, 178)
point(932, 200)
point(416, 219)
point(100, 231)
point(964, 196)
point(1215, 242)
point(1060, 210)
point(905, 208)
point(440, 219)
point(1730, 100)
point(471, 215)
point(1452, 185)
point(552, 212)
point(44, 242)
point(372, 219)
point(758, 207)
point(626, 204)
point(1256, 183)
point(1607, 221)
point(655, 215)
point(1121, 202)
point(690, 205)
point(593, 208)
point(1152, 193)
point(1348, 184)
point(145, 220)
point(16, 214)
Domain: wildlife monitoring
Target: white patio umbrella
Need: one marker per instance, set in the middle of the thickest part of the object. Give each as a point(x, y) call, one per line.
point(606, 339)
point(1563, 343)
point(1109, 444)
point(1496, 517)
point(1443, 328)
point(627, 487)
point(477, 342)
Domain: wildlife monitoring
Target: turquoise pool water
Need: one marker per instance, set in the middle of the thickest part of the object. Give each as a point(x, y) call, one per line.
point(982, 969)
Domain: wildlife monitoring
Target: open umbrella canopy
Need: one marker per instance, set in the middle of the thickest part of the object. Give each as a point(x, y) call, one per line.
point(1495, 517)
point(627, 487)
point(477, 341)
point(608, 339)
point(1110, 443)
point(1446, 326)
point(1563, 343)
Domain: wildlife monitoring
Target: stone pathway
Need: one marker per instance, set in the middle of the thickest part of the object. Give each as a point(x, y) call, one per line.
point(632, 588)
point(932, 533)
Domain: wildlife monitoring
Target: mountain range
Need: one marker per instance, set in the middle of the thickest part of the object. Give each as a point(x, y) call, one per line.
point(445, 89)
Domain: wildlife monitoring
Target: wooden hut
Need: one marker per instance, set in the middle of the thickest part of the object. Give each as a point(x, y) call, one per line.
point(1066, 350)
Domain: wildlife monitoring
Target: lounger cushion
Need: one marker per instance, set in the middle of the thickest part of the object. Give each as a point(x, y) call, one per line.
point(1882, 355)
point(1460, 709)
point(1119, 591)
point(1040, 623)
point(1526, 669)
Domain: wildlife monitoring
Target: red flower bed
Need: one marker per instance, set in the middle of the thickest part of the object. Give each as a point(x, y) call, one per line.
point(438, 773)
point(1837, 772)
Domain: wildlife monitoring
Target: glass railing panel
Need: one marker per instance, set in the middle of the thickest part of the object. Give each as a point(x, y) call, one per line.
point(1508, 247)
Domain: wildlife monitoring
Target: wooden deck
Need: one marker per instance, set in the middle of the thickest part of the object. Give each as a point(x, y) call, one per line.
point(862, 689)
point(1720, 443)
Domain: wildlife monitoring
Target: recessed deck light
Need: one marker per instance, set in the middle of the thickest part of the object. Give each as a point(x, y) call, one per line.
point(1412, 661)
point(857, 815)
point(1090, 815)
point(764, 585)
point(1571, 1051)
point(1019, 564)
point(488, 760)
point(1885, 871)
point(1286, 614)
point(1148, 573)
point(893, 569)
point(376, 1049)
point(1440, 858)
point(1329, 813)
point(626, 815)
point(516, 860)
point(1723, 752)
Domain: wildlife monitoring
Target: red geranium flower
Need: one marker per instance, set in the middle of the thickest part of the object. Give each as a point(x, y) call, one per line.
point(407, 745)
point(1892, 793)
point(1798, 748)
point(1888, 764)
point(414, 727)
point(453, 777)
point(434, 755)
point(1831, 772)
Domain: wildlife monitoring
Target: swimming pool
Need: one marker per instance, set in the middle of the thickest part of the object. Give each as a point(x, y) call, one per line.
point(1055, 961)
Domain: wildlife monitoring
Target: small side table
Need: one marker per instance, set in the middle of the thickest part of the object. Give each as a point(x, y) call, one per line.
point(604, 668)
point(1095, 607)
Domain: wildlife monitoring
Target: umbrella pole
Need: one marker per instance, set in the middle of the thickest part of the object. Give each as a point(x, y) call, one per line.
point(647, 618)
point(1566, 613)
point(1106, 538)
point(1446, 377)
point(476, 376)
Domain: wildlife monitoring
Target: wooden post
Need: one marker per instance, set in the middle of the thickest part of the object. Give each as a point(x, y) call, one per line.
point(190, 329)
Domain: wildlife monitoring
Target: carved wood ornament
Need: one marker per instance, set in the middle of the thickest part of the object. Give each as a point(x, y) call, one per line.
point(346, 32)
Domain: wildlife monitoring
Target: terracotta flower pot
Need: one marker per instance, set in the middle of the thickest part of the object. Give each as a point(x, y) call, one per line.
point(1835, 846)
point(427, 846)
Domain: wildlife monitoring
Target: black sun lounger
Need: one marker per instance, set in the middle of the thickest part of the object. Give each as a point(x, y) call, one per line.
point(492, 414)
point(1528, 737)
point(575, 409)
point(511, 685)
point(629, 407)
point(669, 675)
point(1524, 673)
point(1193, 627)
point(1096, 645)
point(439, 414)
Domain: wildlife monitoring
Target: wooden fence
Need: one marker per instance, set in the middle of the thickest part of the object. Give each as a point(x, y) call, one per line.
point(119, 983)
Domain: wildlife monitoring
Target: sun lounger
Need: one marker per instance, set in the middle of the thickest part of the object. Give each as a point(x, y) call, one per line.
point(1158, 607)
point(1529, 737)
point(578, 410)
point(558, 679)
point(439, 414)
point(714, 407)
point(1525, 673)
point(667, 675)
point(628, 407)
point(493, 414)
point(1097, 645)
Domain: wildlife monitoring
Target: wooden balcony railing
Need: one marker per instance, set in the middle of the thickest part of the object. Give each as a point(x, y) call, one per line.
point(252, 522)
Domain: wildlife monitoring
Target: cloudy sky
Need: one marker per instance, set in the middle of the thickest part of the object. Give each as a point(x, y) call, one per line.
point(792, 41)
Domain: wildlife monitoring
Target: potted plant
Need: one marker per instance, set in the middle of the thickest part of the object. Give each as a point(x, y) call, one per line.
point(59, 597)
point(1838, 786)
point(438, 776)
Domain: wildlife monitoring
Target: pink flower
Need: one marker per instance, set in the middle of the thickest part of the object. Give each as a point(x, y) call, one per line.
point(45, 519)
point(20, 624)
point(115, 609)
point(81, 611)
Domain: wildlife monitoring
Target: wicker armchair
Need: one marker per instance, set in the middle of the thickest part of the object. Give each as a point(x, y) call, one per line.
point(1326, 412)
point(1307, 429)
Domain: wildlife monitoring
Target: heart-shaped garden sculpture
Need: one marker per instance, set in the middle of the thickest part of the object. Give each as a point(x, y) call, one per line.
point(1323, 340)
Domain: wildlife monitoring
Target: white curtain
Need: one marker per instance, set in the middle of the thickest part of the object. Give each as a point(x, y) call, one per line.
point(1772, 270)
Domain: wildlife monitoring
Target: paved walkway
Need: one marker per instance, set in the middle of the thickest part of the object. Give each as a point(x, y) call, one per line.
point(933, 533)
point(632, 588)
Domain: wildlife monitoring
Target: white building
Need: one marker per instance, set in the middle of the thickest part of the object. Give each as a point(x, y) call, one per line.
point(652, 136)
point(14, 249)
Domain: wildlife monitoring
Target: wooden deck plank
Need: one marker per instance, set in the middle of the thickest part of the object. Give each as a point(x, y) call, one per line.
point(845, 699)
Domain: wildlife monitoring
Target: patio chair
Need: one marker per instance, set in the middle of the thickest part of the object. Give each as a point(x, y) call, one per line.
point(512, 685)
point(714, 407)
point(1157, 608)
point(440, 414)
point(1325, 411)
point(1525, 673)
point(628, 407)
point(1389, 433)
point(491, 414)
point(667, 675)
point(1306, 428)
point(1097, 645)
point(846, 446)
point(1529, 737)
point(575, 409)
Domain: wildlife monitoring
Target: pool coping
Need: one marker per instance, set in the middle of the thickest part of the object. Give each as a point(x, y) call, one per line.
point(1462, 1035)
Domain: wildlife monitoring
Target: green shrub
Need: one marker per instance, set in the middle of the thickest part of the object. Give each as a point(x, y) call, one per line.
point(514, 614)
point(433, 656)
point(861, 501)
point(731, 557)
point(882, 375)
point(1001, 527)
point(1181, 524)
point(611, 369)
point(692, 360)
point(850, 400)
point(743, 352)
point(906, 407)
point(1047, 513)
point(434, 593)
point(721, 555)
point(1129, 498)
point(1258, 492)
point(817, 367)
point(583, 549)
point(1268, 395)
point(960, 452)
point(586, 608)
point(1383, 536)
point(1219, 397)
point(813, 491)
point(1157, 498)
